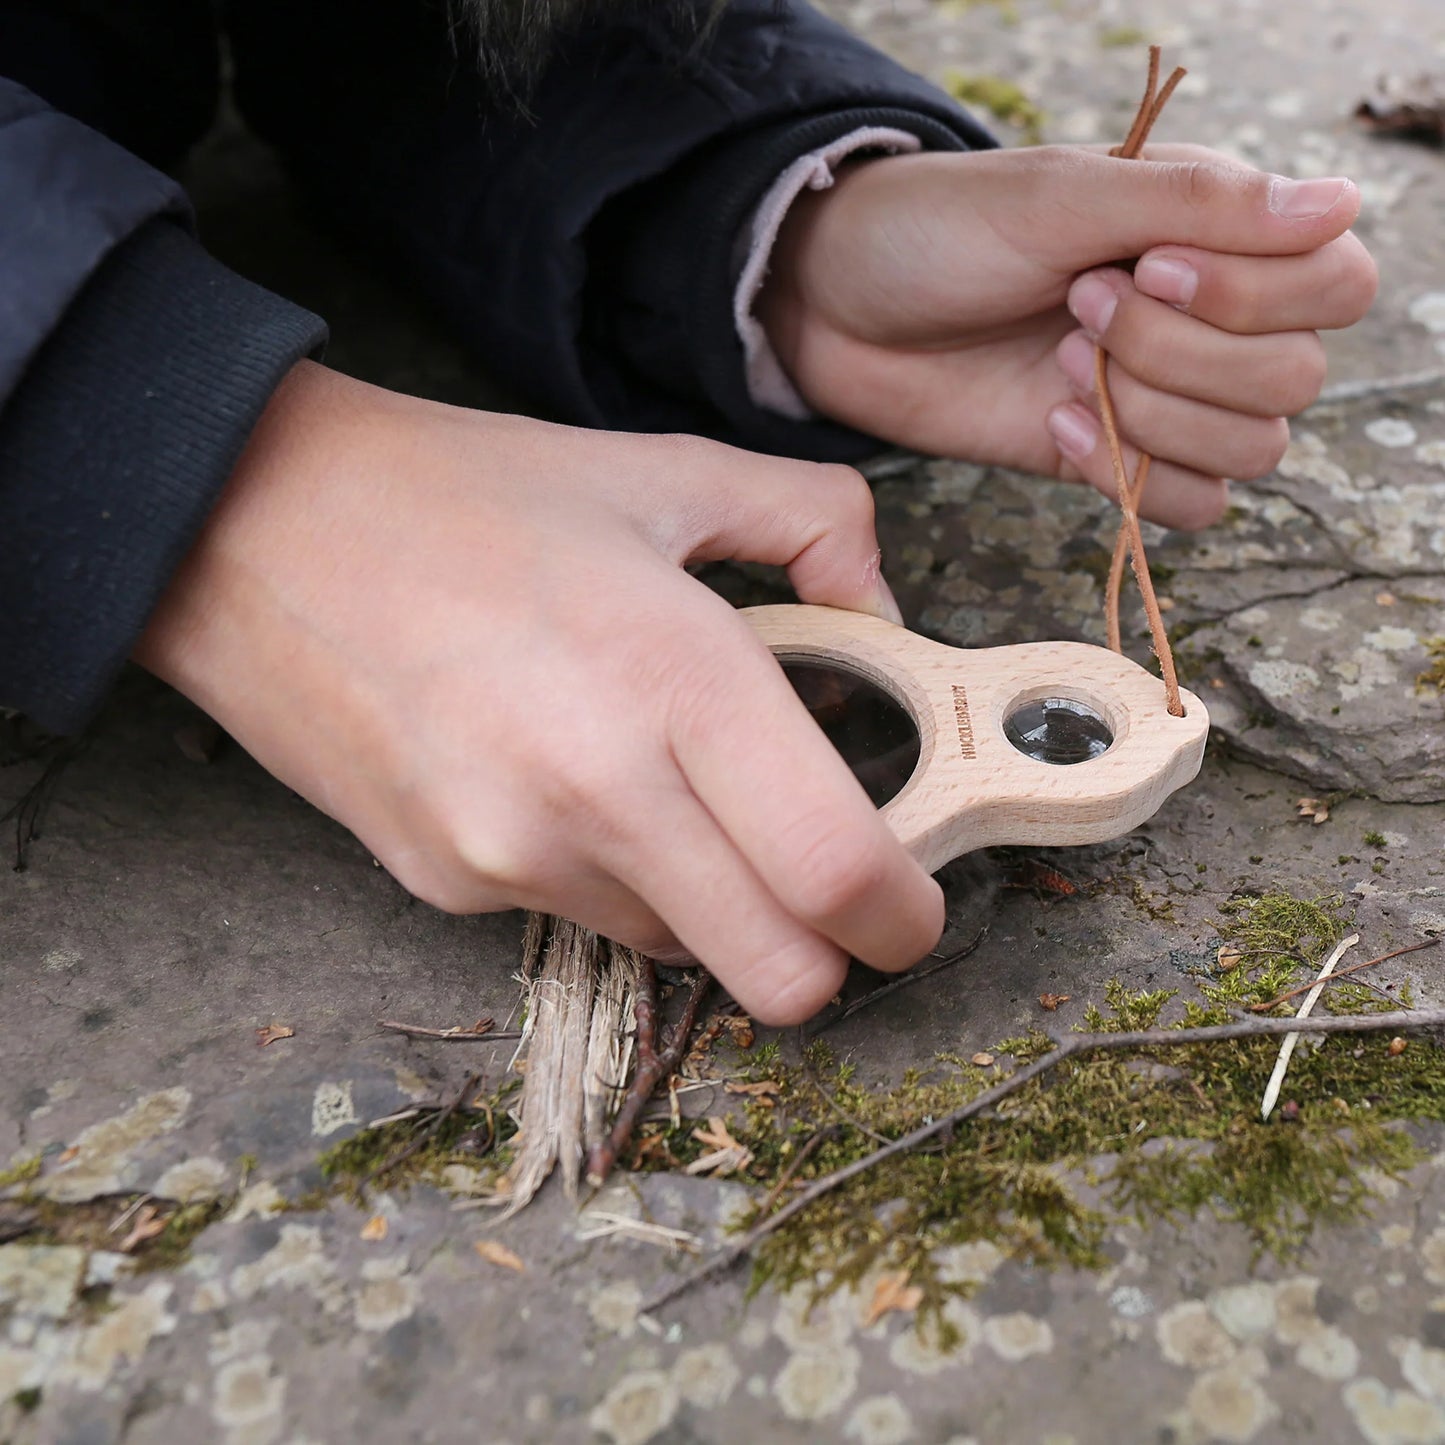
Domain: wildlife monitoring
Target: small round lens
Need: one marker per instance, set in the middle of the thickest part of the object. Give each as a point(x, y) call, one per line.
point(1058, 730)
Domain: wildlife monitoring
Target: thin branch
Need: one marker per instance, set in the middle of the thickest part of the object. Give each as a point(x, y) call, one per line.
point(1287, 1048)
point(432, 1128)
point(485, 1034)
point(1066, 1048)
point(652, 1067)
point(914, 975)
point(1264, 1008)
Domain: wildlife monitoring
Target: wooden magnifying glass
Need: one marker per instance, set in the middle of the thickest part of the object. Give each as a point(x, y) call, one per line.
point(964, 748)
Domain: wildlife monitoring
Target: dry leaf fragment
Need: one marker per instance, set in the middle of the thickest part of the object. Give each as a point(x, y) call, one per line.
point(1386, 599)
point(1051, 1001)
point(271, 1033)
point(892, 1292)
point(1313, 808)
point(1396, 1047)
point(765, 1090)
point(498, 1254)
point(726, 1154)
point(982, 1060)
point(375, 1228)
point(149, 1222)
point(66, 1155)
point(1413, 107)
point(1228, 957)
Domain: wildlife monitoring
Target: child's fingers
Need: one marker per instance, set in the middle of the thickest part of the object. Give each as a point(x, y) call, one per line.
point(1192, 434)
point(1321, 290)
point(1277, 374)
point(1175, 497)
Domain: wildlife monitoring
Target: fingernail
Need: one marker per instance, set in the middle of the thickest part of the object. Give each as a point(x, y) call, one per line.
point(1075, 356)
point(1093, 302)
point(888, 608)
point(1075, 431)
point(1167, 278)
point(1302, 200)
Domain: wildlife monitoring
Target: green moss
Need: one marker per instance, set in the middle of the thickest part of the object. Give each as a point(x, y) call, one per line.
point(1375, 840)
point(1433, 677)
point(1157, 1135)
point(1121, 37)
point(417, 1150)
point(1001, 98)
point(21, 1173)
point(27, 1401)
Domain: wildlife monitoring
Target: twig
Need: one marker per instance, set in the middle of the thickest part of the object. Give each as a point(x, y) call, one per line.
point(432, 1128)
point(452, 1035)
point(904, 980)
point(1287, 1048)
point(652, 1067)
point(799, 1159)
point(1264, 1008)
point(1131, 539)
point(1066, 1048)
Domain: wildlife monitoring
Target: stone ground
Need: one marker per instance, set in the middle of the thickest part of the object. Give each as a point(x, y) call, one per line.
point(171, 909)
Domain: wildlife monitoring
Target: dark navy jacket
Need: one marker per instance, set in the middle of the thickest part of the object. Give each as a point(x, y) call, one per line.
point(584, 250)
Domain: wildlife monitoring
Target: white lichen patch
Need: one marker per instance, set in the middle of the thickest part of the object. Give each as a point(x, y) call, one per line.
point(1190, 1336)
point(122, 1335)
point(1130, 1302)
point(256, 1201)
point(1396, 1236)
point(973, 1263)
point(1422, 1366)
point(636, 1408)
point(1229, 1406)
point(804, 1323)
point(388, 1294)
point(102, 1162)
point(1018, 1336)
point(248, 1392)
point(706, 1375)
point(1277, 679)
point(1431, 454)
point(193, 1180)
point(816, 1383)
point(1245, 1310)
point(332, 1108)
point(879, 1420)
point(1393, 1417)
point(1391, 639)
point(1428, 310)
point(614, 1307)
point(1391, 431)
point(1329, 1353)
point(40, 1279)
point(921, 1351)
point(246, 1337)
point(296, 1261)
point(1432, 1255)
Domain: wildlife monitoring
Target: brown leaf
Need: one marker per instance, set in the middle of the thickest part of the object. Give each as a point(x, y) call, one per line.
point(1396, 1047)
point(1386, 599)
point(271, 1033)
point(764, 1089)
point(1228, 957)
point(892, 1292)
point(982, 1060)
point(375, 1228)
point(727, 1155)
point(1051, 1001)
point(148, 1223)
point(66, 1155)
point(498, 1254)
point(1412, 107)
point(1313, 808)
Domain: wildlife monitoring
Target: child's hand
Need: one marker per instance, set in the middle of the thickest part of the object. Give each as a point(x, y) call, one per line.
point(950, 303)
point(470, 638)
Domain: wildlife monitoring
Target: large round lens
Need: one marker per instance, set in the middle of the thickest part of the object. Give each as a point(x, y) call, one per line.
point(1058, 730)
point(875, 734)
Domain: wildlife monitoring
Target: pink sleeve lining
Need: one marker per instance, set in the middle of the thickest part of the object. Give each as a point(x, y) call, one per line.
point(768, 384)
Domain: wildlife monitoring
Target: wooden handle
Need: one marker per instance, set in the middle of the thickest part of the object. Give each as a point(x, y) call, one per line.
point(972, 787)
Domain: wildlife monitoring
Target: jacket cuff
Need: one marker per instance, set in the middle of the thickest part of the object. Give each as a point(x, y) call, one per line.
point(113, 449)
point(672, 315)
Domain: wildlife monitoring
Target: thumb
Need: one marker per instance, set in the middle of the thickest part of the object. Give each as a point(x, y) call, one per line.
point(1117, 208)
point(815, 519)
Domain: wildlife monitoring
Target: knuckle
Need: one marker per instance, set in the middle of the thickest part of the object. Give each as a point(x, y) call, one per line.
point(1203, 183)
point(1301, 380)
point(849, 493)
point(1265, 448)
point(836, 869)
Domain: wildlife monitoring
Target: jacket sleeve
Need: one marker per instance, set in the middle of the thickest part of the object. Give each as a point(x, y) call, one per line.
point(132, 369)
point(586, 247)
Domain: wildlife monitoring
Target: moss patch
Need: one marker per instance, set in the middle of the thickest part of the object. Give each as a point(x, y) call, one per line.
point(1156, 1135)
point(1001, 98)
point(1433, 677)
point(21, 1173)
point(90, 1224)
